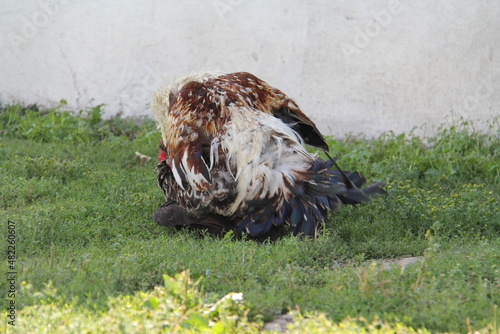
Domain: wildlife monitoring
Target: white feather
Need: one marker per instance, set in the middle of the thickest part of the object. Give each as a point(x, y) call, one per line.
point(214, 152)
point(265, 151)
point(177, 177)
point(195, 180)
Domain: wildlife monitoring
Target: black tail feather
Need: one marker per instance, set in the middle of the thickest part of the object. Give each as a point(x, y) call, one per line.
point(321, 190)
point(353, 197)
point(376, 188)
point(347, 181)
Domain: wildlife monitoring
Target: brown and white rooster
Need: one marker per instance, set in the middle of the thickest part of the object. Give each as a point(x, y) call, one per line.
point(232, 157)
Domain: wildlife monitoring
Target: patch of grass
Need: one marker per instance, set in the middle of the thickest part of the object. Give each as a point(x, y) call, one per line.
point(454, 155)
point(87, 247)
point(57, 124)
point(179, 306)
point(409, 213)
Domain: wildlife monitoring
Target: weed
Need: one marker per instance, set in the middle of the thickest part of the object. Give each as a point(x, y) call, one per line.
point(57, 124)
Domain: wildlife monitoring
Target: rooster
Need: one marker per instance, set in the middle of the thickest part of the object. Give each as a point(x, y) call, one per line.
point(233, 157)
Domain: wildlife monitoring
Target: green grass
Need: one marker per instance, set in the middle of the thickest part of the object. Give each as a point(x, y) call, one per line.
point(89, 256)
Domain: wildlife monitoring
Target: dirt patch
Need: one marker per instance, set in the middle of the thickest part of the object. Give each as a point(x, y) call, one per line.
point(403, 262)
point(280, 323)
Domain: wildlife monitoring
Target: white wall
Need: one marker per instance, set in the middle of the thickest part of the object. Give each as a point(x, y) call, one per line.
point(353, 66)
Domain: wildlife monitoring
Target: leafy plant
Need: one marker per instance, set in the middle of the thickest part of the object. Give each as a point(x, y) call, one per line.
point(57, 124)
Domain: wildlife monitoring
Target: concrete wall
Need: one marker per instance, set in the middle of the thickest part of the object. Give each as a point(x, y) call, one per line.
point(353, 66)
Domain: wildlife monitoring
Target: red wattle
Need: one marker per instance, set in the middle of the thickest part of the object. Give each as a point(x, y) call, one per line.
point(162, 156)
